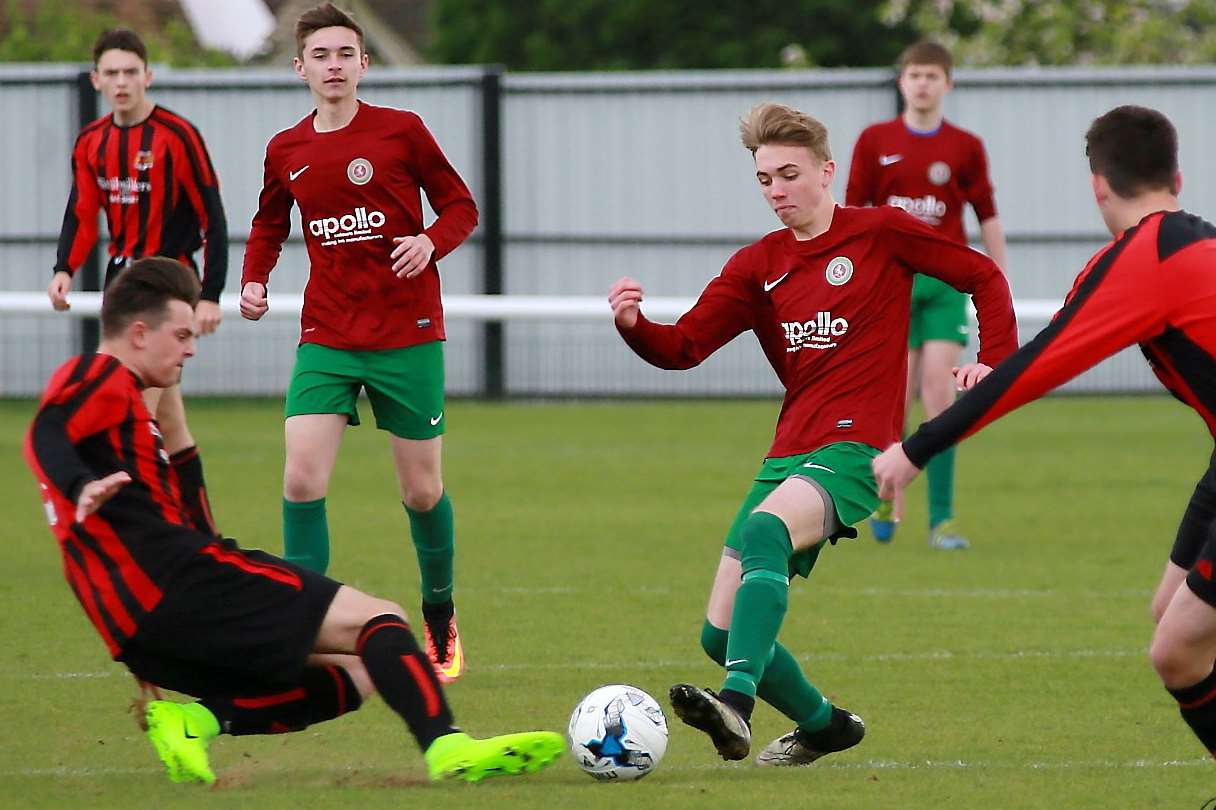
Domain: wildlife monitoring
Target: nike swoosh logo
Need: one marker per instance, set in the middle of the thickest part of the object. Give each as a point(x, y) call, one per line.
point(768, 285)
point(297, 173)
point(814, 466)
point(887, 160)
point(730, 662)
point(189, 736)
point(435, 420)
point(441, 590)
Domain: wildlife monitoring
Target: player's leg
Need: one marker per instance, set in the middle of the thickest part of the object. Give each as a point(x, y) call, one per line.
point(376, 630)
point(1198, 521)
point(1183, 650)
point(781, 535)
point(885, 519)
point(321, 402)
point(405, 387)
point(1172, 578)
point(944, 331)
point(170, 411)
point(784, 686)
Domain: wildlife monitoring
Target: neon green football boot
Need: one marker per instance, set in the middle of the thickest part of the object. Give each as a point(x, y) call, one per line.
point(459, 756)
point(180, 734)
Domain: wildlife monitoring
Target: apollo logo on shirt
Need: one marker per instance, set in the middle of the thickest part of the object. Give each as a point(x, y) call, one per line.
point(357, 226)
point(927, 208)
point(819, 334)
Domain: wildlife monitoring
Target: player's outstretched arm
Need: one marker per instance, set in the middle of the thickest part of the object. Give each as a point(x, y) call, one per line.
point(97, 492)
point(625, 298)
point(254, 303)
point(57, 291)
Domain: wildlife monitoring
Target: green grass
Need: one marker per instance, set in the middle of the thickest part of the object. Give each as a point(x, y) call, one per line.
point(1012, 675)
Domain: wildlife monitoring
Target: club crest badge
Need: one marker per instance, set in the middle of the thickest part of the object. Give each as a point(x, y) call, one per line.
point(359, 171)
point(839, 271)
point(939, 173)
point(144, 160)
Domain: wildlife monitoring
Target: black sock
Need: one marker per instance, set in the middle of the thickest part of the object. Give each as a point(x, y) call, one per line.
point(743, 704)
point(189, 468)
point(323, 694)
point(405, 678)
point(1198, 706)
point(438, 618)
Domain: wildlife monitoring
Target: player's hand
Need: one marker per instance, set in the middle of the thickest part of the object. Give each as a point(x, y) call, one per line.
point(207, 317)
point(253, 301)
point(58, 289)
point(625, 298)
point(967, 376)
point(411, 254)
point(893, 471)
point(97, 492)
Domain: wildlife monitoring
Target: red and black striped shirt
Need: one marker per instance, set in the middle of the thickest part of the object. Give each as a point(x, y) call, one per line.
point(159, 191)
point(1155, 285)
point(92, 422)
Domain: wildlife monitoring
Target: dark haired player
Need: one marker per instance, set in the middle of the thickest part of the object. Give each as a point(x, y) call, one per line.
point(267, 646)
point(1154, 285)
point(148, 170)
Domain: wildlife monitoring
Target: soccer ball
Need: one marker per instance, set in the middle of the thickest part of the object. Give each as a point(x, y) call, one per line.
point(618, 733)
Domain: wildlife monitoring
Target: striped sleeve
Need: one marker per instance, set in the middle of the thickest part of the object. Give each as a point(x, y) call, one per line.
point(1114, 304)
point(78, 235)
point(196, 177)
point(94, 397)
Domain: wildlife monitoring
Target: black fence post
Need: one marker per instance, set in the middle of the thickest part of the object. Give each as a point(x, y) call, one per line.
point(494, 348)
point(88, 275)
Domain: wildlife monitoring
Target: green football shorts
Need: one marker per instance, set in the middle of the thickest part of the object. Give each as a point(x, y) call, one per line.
point(404, 386)
point(840, 470)
point(939, 312)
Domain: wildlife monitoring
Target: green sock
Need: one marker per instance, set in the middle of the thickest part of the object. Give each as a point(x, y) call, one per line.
point(200, 720)
point(306, 534)
point(434, 536)
point(760, 602)
point(783, 685)
point(941, 487)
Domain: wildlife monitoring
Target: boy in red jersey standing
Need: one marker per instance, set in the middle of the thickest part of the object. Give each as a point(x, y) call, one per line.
point(372, 315)
point(932, 169)
point(149, 170)
point(827, 297)
point(1152, 285)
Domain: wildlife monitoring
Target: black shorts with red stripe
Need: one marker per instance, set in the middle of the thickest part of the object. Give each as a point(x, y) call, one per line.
point(1195, 544)
point(231, 621)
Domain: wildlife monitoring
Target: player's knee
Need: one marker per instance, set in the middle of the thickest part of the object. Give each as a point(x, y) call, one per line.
point(713, 641)
point(1174, 666)
point(301, 482)
point(766, 543)
point(422, 495)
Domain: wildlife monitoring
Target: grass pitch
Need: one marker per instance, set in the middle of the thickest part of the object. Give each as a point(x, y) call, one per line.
point(1012, 675)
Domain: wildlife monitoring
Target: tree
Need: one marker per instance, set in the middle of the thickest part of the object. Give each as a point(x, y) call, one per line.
point(64, 31)
point(1066, 32)
point(662, 34)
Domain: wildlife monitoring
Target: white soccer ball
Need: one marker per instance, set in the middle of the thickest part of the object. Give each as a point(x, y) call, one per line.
point(618, 733)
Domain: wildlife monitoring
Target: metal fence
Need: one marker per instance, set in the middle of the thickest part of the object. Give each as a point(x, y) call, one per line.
point(582, 178)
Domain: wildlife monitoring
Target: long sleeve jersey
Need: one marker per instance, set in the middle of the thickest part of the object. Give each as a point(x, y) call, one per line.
point(159, 191)
point(357, 188)
point(831, 314)
point(1153, 285)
